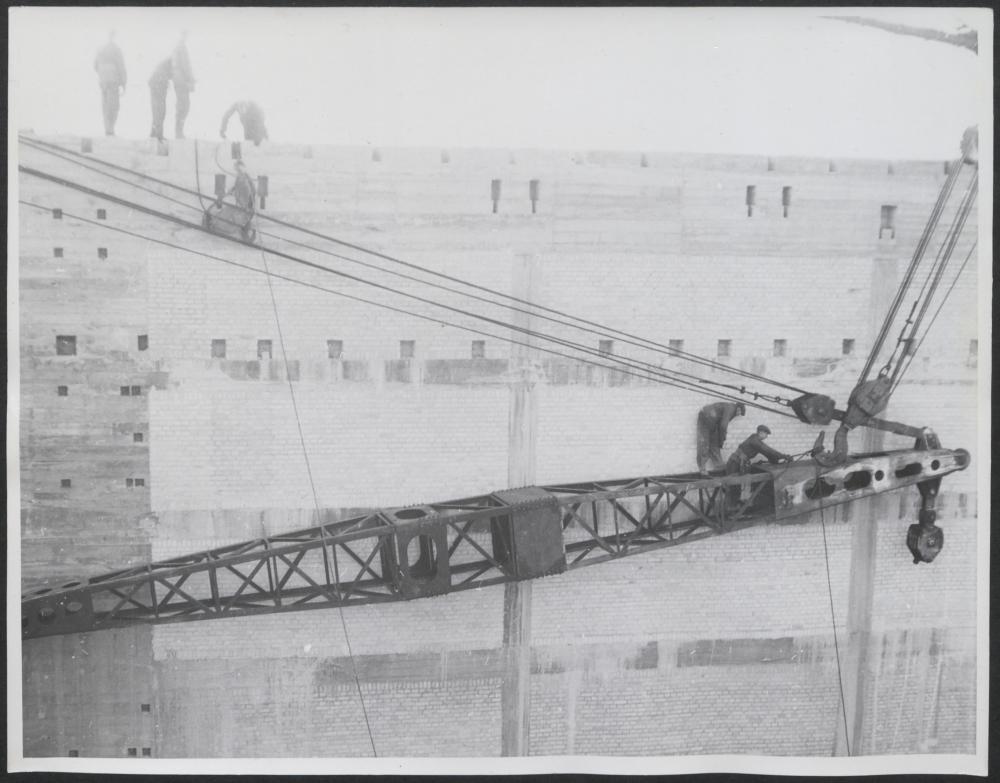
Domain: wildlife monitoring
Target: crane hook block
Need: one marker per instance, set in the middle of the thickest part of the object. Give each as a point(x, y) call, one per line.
point(814, 408)
point(868, 399)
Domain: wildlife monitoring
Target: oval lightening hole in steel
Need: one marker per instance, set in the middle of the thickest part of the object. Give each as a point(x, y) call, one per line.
point(913, 469)
point(858, 479)
point(819, 489)
point(73, 607)
point(410, 513)
point(68, 585)
point(420, 558)
point(43, 591)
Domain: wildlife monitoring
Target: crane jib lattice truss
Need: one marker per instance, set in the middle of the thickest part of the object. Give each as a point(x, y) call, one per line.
point(418, 551)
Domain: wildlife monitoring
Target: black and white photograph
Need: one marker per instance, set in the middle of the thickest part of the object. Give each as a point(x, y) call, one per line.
point(499, 390)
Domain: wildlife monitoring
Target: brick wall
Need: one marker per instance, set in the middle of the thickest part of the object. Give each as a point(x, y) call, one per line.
point(665, 251)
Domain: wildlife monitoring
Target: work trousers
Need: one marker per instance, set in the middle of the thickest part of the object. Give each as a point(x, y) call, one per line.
point(182, 109)
point(158, 98)
point(109, 105)
point(709, 446)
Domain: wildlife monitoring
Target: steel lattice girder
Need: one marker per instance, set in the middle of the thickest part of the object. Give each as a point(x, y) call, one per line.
point(417, 551)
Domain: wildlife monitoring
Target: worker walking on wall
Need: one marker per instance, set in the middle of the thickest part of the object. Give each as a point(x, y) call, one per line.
point(739, 462)
point(183, 78)
point(111, 76)
point(251, 117)
point(158, 83)
point(713, 426)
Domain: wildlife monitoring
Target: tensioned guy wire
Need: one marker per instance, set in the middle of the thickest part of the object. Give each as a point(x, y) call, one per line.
point(601, 330)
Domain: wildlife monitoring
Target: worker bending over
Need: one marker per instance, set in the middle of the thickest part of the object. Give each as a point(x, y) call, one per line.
point(243, 191)
point(713, 426)
point(251, 117)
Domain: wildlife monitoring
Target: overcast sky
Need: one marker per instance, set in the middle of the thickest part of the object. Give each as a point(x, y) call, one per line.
point(781, 82)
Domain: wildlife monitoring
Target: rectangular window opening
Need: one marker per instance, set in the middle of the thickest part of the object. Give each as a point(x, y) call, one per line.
point(218, 349)
point(102, 252)
point(887, 228)
point(725, 348)
point(606, 346)
point(495, 194)
point(264, 349)
point(973, 348)
point(65, 483)
point(407, 349)
point(335, 349)
point(144, 707)
point(137, 437)
point(676, 345)
point(124, 391)
point(147, 752)
point(780, 347)
point(751, 199)
point(102, 214)
point(478, 349)
point(74, 754)
point(786, 200)
point(129, 482)
point(57, 213)
point(136, 391)
point(65, 345)
point(62, 391)
point(140, 482)
point(133, 752)
point(143, 341)
point(57, 252)
point(847, 347)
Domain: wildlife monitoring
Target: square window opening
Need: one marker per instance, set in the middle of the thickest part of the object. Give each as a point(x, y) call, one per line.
point(724, 348)
point(478, 349)
point(335, 349)
point(780, 347)
point(62, 391)
point(129, 482)
point(138, 437)
point(606, 346)
point(124, 391)
point(847, 347)
point(65, 483)
point(102, 252)
point(57, 252)
point(140, 482)
point(676, 345)
point(264, 350)
point(147, 752)
point(218, 349)
point(136, 391)
point(65, 345)
point(102, 214)
point(407, 349)
point(133, 752)
point(144, 707)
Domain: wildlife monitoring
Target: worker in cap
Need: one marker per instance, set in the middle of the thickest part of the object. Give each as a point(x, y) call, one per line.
point(713, 426)
point(739, 462)
point(111, 76)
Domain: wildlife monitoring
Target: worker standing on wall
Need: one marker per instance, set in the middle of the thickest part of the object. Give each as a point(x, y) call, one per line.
point(243, 191)
point(739, 462)
point(158, 83)
point(183, 78)
point(110, 66)
point(713, 426)
point(251, 117)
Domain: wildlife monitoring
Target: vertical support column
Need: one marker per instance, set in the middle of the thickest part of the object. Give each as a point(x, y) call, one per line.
point(515, 700)
point(867, 515)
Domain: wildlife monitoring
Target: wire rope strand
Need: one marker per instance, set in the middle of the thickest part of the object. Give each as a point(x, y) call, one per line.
point(315, 496)
point(652, 378)
point(608, 331)
point(178, 221)
point(833, 619)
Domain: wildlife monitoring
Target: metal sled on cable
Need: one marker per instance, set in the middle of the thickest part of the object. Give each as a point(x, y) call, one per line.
point(231, 220)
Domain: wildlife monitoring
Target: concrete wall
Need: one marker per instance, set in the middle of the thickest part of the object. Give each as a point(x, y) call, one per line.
point(705, 648)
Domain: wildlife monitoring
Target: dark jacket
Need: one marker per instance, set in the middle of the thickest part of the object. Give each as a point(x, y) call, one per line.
point(753, 446)
point(182, 74)
point(110, 66)
point(714, 420)
point(251, 117)
point(161, 74)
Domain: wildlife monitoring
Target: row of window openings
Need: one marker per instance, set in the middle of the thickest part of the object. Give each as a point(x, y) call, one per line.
point(129, 482)
point(533, 191)
point(66, 345)
point(132, 752)
point(102, 252)
point(887, 227)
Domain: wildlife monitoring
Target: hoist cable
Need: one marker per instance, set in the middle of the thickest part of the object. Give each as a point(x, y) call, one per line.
point(904, 343)
point(178, 221)
point(315, 497)
point(833, 618)
point(915, 260)
point(937, 271)
point(381, 305)
point(934, 317)
point(605, 331)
